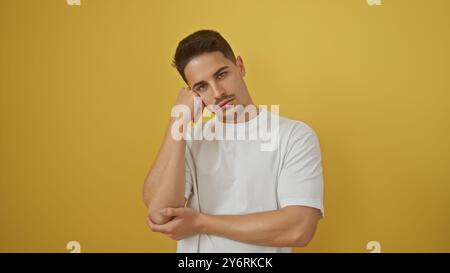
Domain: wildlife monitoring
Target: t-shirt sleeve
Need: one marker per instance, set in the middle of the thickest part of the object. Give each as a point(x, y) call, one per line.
point(301, 179)
point(189, 173)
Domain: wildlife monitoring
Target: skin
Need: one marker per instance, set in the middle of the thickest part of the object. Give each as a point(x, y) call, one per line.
point(213, 78)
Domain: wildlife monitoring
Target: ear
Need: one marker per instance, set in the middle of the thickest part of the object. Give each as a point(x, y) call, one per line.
point(240, 65)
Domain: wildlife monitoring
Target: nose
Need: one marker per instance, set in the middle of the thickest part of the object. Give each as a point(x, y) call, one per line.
point(218, 90)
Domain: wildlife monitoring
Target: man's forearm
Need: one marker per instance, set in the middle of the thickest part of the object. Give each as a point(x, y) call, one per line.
point(164, 186)
point(284, 227)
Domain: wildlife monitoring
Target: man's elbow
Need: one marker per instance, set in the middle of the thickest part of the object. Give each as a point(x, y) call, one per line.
point(157, 218)
point(302, 241)
point(303, 237)
point(155, 215)
point(154, 211)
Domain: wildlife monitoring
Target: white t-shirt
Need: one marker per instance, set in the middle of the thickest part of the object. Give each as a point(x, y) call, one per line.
point(239, 177)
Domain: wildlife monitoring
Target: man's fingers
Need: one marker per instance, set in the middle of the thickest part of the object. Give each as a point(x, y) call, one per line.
point(150, 224)
point(157, 228)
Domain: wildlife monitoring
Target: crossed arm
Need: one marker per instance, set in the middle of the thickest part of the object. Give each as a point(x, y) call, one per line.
point(289, 226)
point(163, 194)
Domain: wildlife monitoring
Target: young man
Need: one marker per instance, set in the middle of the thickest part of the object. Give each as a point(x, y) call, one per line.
point(230, 195)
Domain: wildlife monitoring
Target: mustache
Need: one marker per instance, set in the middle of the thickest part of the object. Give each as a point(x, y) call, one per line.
point(218, 101)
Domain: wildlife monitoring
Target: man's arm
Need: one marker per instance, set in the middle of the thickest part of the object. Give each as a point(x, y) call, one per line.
point(165, 182)
point(289, 226)
point(164, 185)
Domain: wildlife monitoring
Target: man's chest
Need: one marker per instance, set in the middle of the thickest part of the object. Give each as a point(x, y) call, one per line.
point(235, 160)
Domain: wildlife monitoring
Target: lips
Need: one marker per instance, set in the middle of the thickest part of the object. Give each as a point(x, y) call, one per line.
point(223, 103)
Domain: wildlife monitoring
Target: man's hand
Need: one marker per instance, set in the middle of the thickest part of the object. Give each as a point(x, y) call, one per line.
point(285, 227)
point(185, 223)
point(186, 97)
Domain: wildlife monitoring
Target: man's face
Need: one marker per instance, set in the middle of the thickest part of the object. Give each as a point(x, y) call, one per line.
point(217, 80)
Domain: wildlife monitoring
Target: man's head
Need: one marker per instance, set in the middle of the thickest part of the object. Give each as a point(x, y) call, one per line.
point(208, 65)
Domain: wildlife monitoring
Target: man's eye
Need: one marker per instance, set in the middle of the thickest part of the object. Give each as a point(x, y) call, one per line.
point(221, 75)
point(201, 88)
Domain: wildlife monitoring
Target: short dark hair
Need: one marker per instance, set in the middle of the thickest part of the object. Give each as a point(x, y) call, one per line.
point(197, 43)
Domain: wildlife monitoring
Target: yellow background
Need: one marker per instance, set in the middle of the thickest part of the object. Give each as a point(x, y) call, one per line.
point(86, 93)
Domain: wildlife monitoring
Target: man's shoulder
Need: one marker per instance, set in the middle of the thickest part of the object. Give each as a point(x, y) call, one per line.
point(296, 135)
point(294, 128)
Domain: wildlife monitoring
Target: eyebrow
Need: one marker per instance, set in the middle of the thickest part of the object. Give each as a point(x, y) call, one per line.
point(215, 75)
